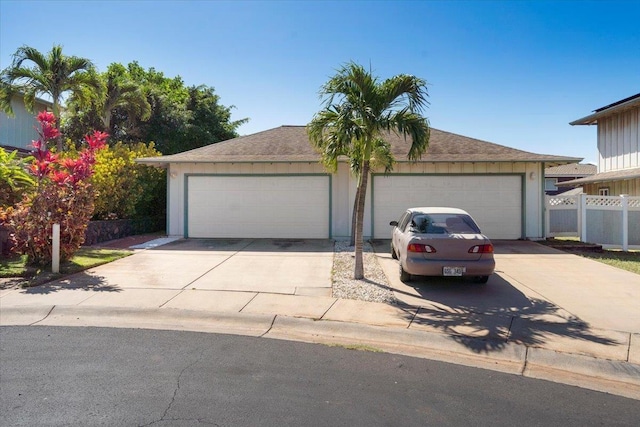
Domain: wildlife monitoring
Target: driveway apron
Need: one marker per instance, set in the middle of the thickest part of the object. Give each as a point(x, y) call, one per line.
point(198, 274)
point(538, 296)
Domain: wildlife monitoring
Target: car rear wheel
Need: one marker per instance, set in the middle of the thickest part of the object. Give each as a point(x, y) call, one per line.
point(394, 255)
point(481, 279)
point(404, 276)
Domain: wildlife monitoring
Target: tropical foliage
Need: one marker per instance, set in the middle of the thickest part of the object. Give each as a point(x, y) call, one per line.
point(145, 105)
point(130, 103)
point(358, 112)
point(63, 196)
point(33, 74)
point(119, 96)
point(124, 188)
point(14, 179)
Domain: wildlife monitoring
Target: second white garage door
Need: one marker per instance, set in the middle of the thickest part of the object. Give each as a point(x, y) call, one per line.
point(494, 201)
point(258, 207)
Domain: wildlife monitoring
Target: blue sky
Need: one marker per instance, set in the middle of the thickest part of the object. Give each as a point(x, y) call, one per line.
point(510, 72)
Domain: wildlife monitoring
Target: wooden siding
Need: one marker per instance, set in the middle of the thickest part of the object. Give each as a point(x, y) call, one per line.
point(630, 187)
point(20, 130)
point(619, 141)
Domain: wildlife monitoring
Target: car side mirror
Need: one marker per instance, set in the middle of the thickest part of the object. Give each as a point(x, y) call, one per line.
point(394, 223)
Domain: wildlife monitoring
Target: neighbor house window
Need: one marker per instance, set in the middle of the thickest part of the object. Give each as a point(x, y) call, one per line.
point(603, 191)
point(550, 184)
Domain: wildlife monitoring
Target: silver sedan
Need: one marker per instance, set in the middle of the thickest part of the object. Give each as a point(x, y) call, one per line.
point(435, 241)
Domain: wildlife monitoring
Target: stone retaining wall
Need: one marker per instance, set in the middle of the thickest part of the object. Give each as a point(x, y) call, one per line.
point(4, 241)
point(102, 231)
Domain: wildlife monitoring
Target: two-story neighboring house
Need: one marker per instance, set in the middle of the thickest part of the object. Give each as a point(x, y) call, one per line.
point(618, 149)
point(19, 130)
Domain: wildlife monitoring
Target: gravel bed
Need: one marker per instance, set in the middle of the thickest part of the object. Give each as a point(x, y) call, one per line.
point(373, 288)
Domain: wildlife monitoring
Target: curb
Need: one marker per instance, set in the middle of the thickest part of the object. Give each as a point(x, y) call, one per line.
point(254, 325)
point(615, 377)
point(509, 359)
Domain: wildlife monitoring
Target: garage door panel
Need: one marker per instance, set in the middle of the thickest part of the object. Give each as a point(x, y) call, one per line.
point(495, 202)
point(258, 207)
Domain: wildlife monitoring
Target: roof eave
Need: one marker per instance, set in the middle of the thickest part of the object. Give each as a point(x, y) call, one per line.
point(592, 119)
point(162, 162)
point(595, 179)
point(158, 161)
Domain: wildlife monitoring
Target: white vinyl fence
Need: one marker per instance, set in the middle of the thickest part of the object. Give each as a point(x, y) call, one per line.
point(613, 221)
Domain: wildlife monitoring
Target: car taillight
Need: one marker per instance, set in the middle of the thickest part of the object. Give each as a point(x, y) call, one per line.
point(419, 247)
point(481, 249)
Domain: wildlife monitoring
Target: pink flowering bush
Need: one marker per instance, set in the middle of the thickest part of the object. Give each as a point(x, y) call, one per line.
point(63, 196)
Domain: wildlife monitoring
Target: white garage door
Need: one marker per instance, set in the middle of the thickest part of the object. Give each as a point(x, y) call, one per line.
point(495, 202)
point(258, 207)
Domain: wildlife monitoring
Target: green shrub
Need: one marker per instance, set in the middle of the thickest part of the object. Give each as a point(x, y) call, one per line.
point(14, 178)
point(33, 221)
point(126, 189)
point(63, 196)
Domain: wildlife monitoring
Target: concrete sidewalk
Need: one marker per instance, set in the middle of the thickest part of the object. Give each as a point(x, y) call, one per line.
point(504, 327)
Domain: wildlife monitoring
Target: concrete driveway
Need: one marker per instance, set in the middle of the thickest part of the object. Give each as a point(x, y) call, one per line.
point(289, 277)
point(538, 295)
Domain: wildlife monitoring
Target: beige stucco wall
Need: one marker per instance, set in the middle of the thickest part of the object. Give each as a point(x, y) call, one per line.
point(343, 186)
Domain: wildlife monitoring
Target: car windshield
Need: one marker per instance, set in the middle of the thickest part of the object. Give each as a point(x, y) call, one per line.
point(443, 223)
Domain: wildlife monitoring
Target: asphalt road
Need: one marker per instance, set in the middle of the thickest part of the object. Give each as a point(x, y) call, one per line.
point(123, 377)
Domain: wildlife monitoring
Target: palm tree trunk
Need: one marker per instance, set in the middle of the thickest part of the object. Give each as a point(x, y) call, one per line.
point(362, 194)
point(56, 114)
point(106, 121)
point(352, 240)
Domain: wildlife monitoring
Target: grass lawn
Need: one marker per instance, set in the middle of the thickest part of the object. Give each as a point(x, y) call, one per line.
point(625, 260)
point(83, 259)
point(629, 261)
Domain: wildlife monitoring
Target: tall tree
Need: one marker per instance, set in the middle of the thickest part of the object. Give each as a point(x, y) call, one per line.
point(53, 74)
point(123, 94)
point(120, 98)
point(138, 104)
point(358, 111)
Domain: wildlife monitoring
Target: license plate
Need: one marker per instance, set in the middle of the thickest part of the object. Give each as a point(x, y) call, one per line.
point(453, 271)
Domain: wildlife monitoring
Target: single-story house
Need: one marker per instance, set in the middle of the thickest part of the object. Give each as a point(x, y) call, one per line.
point(17, 132)
point(618, 149)
point(271, 185)
point(556, 174)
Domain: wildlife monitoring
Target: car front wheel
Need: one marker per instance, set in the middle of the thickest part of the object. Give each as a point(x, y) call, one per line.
point(404, 276)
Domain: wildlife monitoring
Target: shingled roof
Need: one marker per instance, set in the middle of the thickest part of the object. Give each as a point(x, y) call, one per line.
point(573, 169)
point(617, 175)
point(291, 144)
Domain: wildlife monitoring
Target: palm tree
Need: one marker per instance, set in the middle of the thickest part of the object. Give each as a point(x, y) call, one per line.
point(358, 112)
point(52, 74)
point(118, 94)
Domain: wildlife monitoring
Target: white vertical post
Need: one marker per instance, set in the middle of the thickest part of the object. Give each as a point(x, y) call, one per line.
point(55, 250)
point(583, 217)
point(625, 222)
point(547, 221)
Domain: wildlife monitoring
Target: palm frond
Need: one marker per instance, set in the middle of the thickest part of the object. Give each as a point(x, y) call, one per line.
point(28, 53)
point(405, 91)
point(52, 74)
point(7, 92)
point(381, 156)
